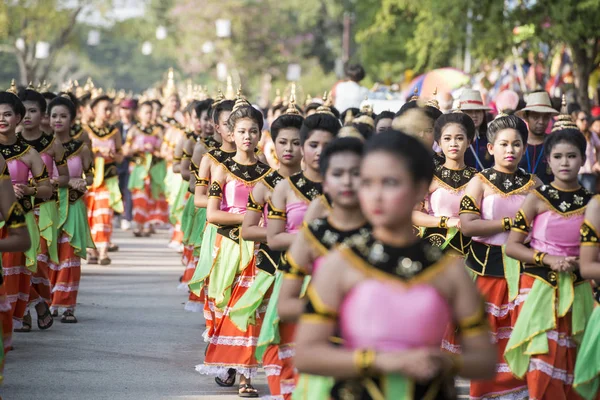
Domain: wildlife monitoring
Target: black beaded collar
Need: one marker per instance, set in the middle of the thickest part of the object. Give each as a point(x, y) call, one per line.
point(508, 184)
point(247, 174)
point(306, 189)
point(103, 133)
point(40, 144)
point(324, 236)
point(219, 156)
point(563, 202)
point(72, 147)
point(15, 150)
point(272, 179)
point(454, 180)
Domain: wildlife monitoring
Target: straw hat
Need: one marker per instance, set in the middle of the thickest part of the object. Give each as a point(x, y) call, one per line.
point(471, 100)
point(537, 102)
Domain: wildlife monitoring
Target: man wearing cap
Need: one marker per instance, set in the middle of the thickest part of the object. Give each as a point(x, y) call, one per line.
point(471, 103)
point(126, 121)
point(537, 113)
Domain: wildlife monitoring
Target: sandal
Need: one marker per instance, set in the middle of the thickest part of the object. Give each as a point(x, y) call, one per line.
point(247, 390)
point(105, 261)
point(112, 247)
point(44, 316)
point(26, 324)
point(137, 233)
point(230, 381)
point(92, 260)
point(68, 318)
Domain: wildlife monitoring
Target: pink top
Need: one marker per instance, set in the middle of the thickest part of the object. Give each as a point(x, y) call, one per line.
point(103, 144)
point(496, 207)
point(140, 142)
point(412, 317)
point(19, 171)
point(235, 197)
point(590, 154)
point(75, 165)
point(444, 202)
point(555, 234)
point(295, 215)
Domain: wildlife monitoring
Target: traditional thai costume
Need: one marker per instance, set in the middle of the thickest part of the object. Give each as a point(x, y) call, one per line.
point(103, 199)
point(497, 275)
point(587, 367)
point(444, 203)
point(323, 236)
point(17, 267)
point(14, 219)
point(415, 314)
point(176, 189)
point(557, 305)
point(147, 179)
point(231, 274)
point(74, 236)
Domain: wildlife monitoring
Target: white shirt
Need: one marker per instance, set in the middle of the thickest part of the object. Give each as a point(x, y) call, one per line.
point(349, 94)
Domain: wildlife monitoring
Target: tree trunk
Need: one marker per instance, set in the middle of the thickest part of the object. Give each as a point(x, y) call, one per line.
point(584, 63)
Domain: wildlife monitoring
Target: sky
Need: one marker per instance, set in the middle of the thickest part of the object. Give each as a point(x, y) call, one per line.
point(120, 10)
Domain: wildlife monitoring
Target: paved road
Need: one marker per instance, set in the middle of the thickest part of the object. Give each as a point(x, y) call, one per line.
point(133, 339)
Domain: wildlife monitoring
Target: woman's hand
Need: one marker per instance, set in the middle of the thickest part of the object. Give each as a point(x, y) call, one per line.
point(20, 190)
point(453, 223)
point(419, 364)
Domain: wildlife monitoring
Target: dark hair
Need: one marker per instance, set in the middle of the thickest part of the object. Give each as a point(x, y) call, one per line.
point(244, 112)
point(365, 130)
point(431, 112)
point(202, 106)
point(145, 103)
point(72, 96)
point(570, 136)
point(335, 112)
point(286, 121)
point(226, 105)
point(454, 118)
point(190, 107)
point(311, 106)
point(319, 121)
point(384, 115)
point(573, 108)
point(14, 102)
point(98, 99)
point(339, 146)
point(84, 99)
point(408, 148)
point(49, 95)
point(157, 102)
point(508, 122)
point(355, 111)
point(63, 101)
point(355, 72)
point(36, 97)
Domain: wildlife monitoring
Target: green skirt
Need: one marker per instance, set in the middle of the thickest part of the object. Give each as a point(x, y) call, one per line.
point(187, 219)
point(112, 185)
point(204, 261)
point(137, 178)
point(243, 312)
point(77, 228)
point(158, 173)
point(48, 222)
point(587, 367)
point(269, 332)
point(313, 387)
point(176, 210)
point(198, 230)
point(34, 250)
point(63, 206)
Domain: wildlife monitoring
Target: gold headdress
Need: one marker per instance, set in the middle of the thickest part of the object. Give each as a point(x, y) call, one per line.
point(219, 98)
point(366, 108)
point(170, 89)
point(13, 87)
point(501, 114)
point(415, 95)
point(292, 110)
point(325, 108)
point(278, 100)
point(349, 118)
point(229, 93)
point(308, 99)
point(68, 87)
point(433, 101)
point(240, 100)
point(564, 120)
point(350, 131)
point(458, 109)
point(30, 86)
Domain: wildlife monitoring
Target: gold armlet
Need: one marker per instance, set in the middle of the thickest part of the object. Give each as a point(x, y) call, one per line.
point(443, 222)
point(364, 361)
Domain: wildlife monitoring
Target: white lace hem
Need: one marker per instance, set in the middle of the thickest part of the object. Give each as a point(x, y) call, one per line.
point(222, 371)
point(192, 306)
point(535, 364)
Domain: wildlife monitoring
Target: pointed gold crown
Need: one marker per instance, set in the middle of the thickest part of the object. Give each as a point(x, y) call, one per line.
point(292, 110)
point(30, 86)
point(219, 98)
point(564, 120)
point(13, 87)
point(68, 87)
point(415, 95)
point(501, 114)
point(458, 109)
point(240, 100)
point(170, 89)
point(367, 108)
point(325, 108)
point(229, 93)
point(366, 115)
point(433, 101)
point(278, 99)
point(308, 99)
point(349, 118)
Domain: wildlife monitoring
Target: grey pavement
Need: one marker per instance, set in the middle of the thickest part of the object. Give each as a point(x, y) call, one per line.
point(133, 339)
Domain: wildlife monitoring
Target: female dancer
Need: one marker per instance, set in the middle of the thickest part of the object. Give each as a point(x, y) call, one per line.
point(587, 367)
point(438, 214)
point(52, 153)
point(147, 180)
point(558, 302)
point(380, 357)
point(13, 237)
point(340, 165)
point(104, 197)
point(285, 132)
point(74, 235)
point(23, 162)
point(490, 199)
point(233, 265)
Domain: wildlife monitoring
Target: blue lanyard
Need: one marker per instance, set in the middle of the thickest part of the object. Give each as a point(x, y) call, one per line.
point(539, 158)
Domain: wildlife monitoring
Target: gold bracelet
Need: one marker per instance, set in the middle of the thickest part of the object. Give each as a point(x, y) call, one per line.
point(35, 191)
point(443, 222)
point(538, 258)
point(364, 360)
point(506, 224)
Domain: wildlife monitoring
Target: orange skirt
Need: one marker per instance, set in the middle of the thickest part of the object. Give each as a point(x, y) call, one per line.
point(158, 210)
point(41, 290)
point(146, 209)
point(66, 277)
point(194, 303)
point(100, 216)
point(501, 316)
point(177, 235)
point(6, 321)
point(17, 282)
point(141, 209)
